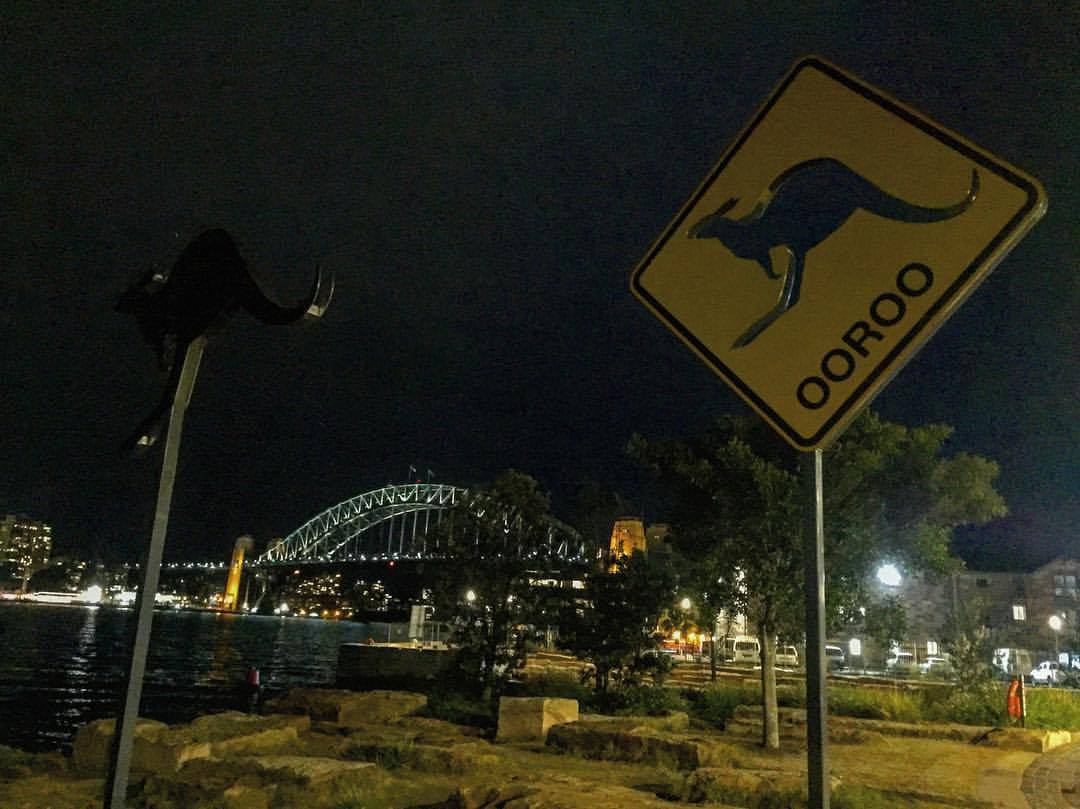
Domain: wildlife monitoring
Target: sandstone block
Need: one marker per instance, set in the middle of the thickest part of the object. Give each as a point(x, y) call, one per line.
point(364, 708)
point(231, 724)
point(273, 740)
point(246, 797)
point(1031, 741)
point(311, 771)
point(611, 741)
point(321, 704)
point(528, 719)
point(168, 751)
point(90, 751)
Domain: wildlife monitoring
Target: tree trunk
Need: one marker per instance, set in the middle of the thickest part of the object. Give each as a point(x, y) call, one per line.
point(770, 723)
point(712, 648)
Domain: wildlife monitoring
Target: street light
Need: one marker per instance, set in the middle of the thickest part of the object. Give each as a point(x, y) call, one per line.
point(889, 575)
point(1056, 623)
point(685, 603)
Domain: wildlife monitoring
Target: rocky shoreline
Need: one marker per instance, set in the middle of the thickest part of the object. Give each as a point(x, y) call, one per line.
point(337, 749)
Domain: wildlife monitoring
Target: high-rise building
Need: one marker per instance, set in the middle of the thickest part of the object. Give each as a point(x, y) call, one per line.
point(25, 545)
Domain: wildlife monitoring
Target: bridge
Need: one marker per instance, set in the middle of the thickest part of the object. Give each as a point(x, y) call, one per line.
point(389, 523)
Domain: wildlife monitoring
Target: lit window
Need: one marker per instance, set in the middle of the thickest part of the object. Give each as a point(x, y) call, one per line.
point(931, 647)
point(1019, 612)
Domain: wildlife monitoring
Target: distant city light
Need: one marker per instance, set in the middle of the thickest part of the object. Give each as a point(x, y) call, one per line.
point(685, 603)
point(470, 596)
point(889, 575)
point(91, 595)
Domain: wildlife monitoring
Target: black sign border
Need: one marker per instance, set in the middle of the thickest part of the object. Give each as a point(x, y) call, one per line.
point(1034, 207)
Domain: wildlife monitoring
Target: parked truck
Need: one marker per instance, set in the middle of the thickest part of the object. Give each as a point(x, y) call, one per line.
point(1009, 663)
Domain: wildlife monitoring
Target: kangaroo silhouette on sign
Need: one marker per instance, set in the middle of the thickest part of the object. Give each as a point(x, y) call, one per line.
point(800, 209)
point(205, 287)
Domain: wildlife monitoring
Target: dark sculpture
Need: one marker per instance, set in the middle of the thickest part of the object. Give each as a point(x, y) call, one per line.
point(801, 208)
point(207, 284)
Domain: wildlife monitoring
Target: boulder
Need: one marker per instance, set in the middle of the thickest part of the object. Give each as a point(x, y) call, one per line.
point(1030, 741)
point(610, 741)
point(263, 742)
point(749, 787)
point(555, 792)
point(240, 796)
point(93, 741)
point(230, 724)
point(321, 704)
point(167, 751)
point(528, 719)
point(311, 771)
point(365, 708)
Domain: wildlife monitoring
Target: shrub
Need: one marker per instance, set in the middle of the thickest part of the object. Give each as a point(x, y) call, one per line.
point(874, 703)
point(981, 704)
point(645, 700)
point(554, 684)
point(461, 709)
point(14, 763)
point(716, 704)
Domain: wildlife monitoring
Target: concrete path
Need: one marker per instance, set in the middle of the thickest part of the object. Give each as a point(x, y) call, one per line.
point(1052, 781)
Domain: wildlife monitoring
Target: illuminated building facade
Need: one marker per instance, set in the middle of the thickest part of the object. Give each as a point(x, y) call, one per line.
point(627, 536)
point(25, 545)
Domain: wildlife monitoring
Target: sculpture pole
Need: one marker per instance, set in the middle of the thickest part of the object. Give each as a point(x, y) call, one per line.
point(124, 734)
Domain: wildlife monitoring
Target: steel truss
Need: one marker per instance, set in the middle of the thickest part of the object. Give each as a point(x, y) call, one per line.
point(388, 523)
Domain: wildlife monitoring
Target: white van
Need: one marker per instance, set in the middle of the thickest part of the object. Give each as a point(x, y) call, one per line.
point(746, 649)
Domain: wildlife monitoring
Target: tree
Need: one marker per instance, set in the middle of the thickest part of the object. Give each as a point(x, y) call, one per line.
point(614, 624)
point(739, 509)
point(495, 540)
point(886, 623)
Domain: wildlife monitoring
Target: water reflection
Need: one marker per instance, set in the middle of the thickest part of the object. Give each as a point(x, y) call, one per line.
point(61, 666)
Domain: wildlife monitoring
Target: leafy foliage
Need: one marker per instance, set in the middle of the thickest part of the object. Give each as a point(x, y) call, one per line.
point(886, 622)
point(613, 624)
point(738, 515)
point(495, 540)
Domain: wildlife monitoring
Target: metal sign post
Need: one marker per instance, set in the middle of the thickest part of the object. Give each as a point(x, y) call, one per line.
point(124, 735)
point(175, 311)
point(817, 754)
point(833, 238)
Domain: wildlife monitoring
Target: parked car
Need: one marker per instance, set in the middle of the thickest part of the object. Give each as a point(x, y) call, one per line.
point(901, 664)
point(1049, 672)
point(834, 658)
point(787, 656)
point(936, 667)
point(746, 650)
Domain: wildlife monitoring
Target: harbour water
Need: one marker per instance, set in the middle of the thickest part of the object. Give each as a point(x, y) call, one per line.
point(62, 666)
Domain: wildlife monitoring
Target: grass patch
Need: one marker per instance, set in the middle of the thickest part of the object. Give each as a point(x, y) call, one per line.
point(14, 763)
point(1052, 708)
point(876, 703)
point(855, 796)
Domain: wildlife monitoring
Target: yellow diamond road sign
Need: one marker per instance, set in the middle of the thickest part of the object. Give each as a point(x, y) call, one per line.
point(833, 238)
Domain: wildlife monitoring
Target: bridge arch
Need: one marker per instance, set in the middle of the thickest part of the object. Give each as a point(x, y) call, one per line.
point(388, 522)
point(391, 522)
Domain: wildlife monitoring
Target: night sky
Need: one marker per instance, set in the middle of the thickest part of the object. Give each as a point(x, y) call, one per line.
point(481, 179)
